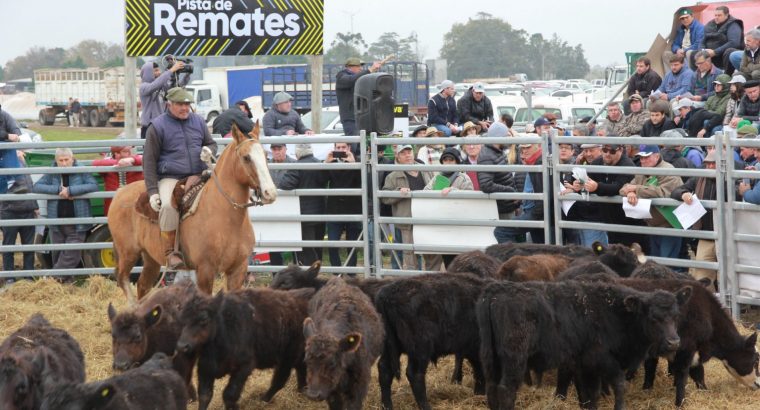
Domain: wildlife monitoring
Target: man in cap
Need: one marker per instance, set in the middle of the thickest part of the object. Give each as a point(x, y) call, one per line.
point(442, 110)
point(405, 182)
point(747, 155)
point(749, 105)
point(345, 81)
point(654, 186)
point(542, 126)
point(281, 119)
point(697, 121)
point(689, 34)
point(153, 86)
point(750, 192)
point(702, 188)
point(634, 122)
point(494, 182)
point(239, 114)
point(310, 205)
point(177, 145)
point(717, 102)
point(583, 210)
point(476, 107)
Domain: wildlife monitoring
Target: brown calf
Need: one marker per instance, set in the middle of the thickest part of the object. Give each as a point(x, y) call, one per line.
point(543, 267)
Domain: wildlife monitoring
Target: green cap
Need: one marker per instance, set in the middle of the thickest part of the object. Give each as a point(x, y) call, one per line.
point(684, 12)
point(179, 95)
point(722, 79)
point(747, 130)
point(354, 61)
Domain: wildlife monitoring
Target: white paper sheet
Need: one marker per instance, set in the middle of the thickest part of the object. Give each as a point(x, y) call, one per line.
point(580, 174)
point(688, 215)
point(566, 204)
point(640, 211)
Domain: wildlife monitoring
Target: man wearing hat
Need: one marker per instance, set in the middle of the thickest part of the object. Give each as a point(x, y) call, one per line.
point(717, 102)
point(281, 119)
point(688, 36)
point(697, 121)
point(749, 105)
point(634, 122)
point(494, 182)
point(442, 110)
point(542, 126)
point(153, 86)
point(405, 182)
point(747, 155)
point(239, 114)
point(475, 106)
point(703, 188)
point(345, 81)
point(583, 210)
point(177, 145)
point(654, 186)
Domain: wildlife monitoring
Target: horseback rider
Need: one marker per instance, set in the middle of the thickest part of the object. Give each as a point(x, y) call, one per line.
point(177, 145)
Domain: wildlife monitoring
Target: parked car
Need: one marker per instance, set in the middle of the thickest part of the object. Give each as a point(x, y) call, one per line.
point(330, 120)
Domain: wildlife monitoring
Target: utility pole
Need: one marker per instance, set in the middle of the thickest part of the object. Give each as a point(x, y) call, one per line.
point(130, 92)
point(351, 18)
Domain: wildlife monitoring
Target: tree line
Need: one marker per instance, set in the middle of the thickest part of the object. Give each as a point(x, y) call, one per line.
point(483, 47)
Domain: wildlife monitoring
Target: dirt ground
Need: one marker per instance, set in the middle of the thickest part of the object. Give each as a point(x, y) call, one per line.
point(81, 310)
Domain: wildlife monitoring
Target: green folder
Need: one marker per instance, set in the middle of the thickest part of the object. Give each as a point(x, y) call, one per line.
point(667, 212)
point(440, 182)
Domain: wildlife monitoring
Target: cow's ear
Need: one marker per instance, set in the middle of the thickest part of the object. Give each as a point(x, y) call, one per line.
point(101, 397)
point(308, 328)
point(632, 304)
point(313, 270)
point(351, 342)
point(683, 295)
point(705, 282)
point(597, 247)
point(636, 248)
point(751, 341)
point(111, 312)
point(152, 317)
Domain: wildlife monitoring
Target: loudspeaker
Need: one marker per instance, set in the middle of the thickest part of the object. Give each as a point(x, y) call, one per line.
point(373, 103)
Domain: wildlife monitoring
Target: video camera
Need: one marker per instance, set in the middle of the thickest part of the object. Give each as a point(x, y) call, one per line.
point(169, 61)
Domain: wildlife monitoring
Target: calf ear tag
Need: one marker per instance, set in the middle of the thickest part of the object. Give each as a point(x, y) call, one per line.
point(599, 248)
point(154, 313)
point(105, 392)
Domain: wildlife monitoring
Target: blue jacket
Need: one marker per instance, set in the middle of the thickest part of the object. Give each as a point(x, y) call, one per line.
point(79, 184)
point(696, 34)
point(676, 84)
point(753, 195)
point(442, 111)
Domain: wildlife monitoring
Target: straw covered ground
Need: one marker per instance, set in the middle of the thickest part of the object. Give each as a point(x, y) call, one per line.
point(81, 310)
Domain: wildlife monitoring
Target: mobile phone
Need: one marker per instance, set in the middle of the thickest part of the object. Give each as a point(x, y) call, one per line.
point(339, 154)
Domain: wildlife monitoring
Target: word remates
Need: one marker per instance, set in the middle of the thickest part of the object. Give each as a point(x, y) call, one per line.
point(216, 19)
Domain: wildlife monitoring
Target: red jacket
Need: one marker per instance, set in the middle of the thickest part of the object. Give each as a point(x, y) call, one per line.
point(111, 179)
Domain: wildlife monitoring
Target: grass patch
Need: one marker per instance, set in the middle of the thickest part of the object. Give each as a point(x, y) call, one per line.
point(54, 133)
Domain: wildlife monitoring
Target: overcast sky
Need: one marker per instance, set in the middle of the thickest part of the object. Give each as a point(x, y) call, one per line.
point(605, 29)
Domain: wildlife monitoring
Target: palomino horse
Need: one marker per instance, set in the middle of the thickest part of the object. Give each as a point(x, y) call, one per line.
point(218, 237)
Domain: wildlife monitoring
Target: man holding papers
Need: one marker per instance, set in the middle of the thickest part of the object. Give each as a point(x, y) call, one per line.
point(654, 186)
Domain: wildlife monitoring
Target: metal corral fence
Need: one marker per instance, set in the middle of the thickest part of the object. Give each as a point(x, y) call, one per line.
point(736, 227)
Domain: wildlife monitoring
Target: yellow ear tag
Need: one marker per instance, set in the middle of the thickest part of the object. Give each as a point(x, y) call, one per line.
point(599, 248)
point(351, 339)
point(155, 312)
point(105, 392)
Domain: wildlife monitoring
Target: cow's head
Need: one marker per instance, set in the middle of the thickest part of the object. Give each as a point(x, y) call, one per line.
point(129, 335)
point(658, 313)
point(743, 362)
point(20, 381)
point(327, 359)
point(71, 396)
point(199, 321)
point(293, 277)
point(620, 258)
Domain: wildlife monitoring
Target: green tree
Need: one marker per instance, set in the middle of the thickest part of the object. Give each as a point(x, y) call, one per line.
point(2, 73)
point(35, 58)
point(392, 44)
point(77, 62)
point(344, 46)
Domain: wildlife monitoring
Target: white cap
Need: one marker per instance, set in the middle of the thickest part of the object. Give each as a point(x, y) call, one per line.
point(445, 84)
point(684, 103)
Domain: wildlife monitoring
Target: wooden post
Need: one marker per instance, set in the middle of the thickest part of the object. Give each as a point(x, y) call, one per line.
point(316, 63)
point(130, 94)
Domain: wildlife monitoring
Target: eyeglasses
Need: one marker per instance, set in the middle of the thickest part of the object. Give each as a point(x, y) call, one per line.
point(609, 150)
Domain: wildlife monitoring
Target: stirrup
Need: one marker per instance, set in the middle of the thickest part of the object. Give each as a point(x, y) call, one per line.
point(176, 266)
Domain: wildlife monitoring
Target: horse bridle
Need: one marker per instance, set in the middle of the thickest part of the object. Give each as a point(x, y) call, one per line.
point(254, 199)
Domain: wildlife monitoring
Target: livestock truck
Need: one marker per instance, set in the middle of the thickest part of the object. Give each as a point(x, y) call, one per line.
point(221, 87)
point(101, 93)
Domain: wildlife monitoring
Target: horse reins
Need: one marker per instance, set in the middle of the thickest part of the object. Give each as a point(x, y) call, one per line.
point(254, 199)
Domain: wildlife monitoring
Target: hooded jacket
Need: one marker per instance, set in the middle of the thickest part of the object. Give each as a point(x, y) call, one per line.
point(152, 92)
point(717, 102)
point(491, 182)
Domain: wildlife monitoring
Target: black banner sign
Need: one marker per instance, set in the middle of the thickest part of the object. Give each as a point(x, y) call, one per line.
point(224, 27)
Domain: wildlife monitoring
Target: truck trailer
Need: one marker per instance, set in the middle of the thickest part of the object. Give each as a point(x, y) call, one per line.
point(101, 93)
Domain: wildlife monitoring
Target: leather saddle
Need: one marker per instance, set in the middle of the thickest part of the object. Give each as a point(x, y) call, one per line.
point(184, 197)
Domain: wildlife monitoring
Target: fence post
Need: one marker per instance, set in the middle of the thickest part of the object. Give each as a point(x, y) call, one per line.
point(366, 222)
point(376, 230)
point(721, 176)
point(555, 185)
point(546, 170)
point(727, 231)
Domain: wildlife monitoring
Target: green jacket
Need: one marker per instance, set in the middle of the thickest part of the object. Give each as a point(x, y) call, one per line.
point(717, 103)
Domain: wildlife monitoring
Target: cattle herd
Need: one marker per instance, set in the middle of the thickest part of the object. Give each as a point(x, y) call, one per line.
point(513, 312)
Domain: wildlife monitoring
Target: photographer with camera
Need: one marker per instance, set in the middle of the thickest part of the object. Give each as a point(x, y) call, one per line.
point(343, 205)
point(154, 86)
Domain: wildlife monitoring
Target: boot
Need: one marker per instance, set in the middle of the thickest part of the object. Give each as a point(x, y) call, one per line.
point(173, 258)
